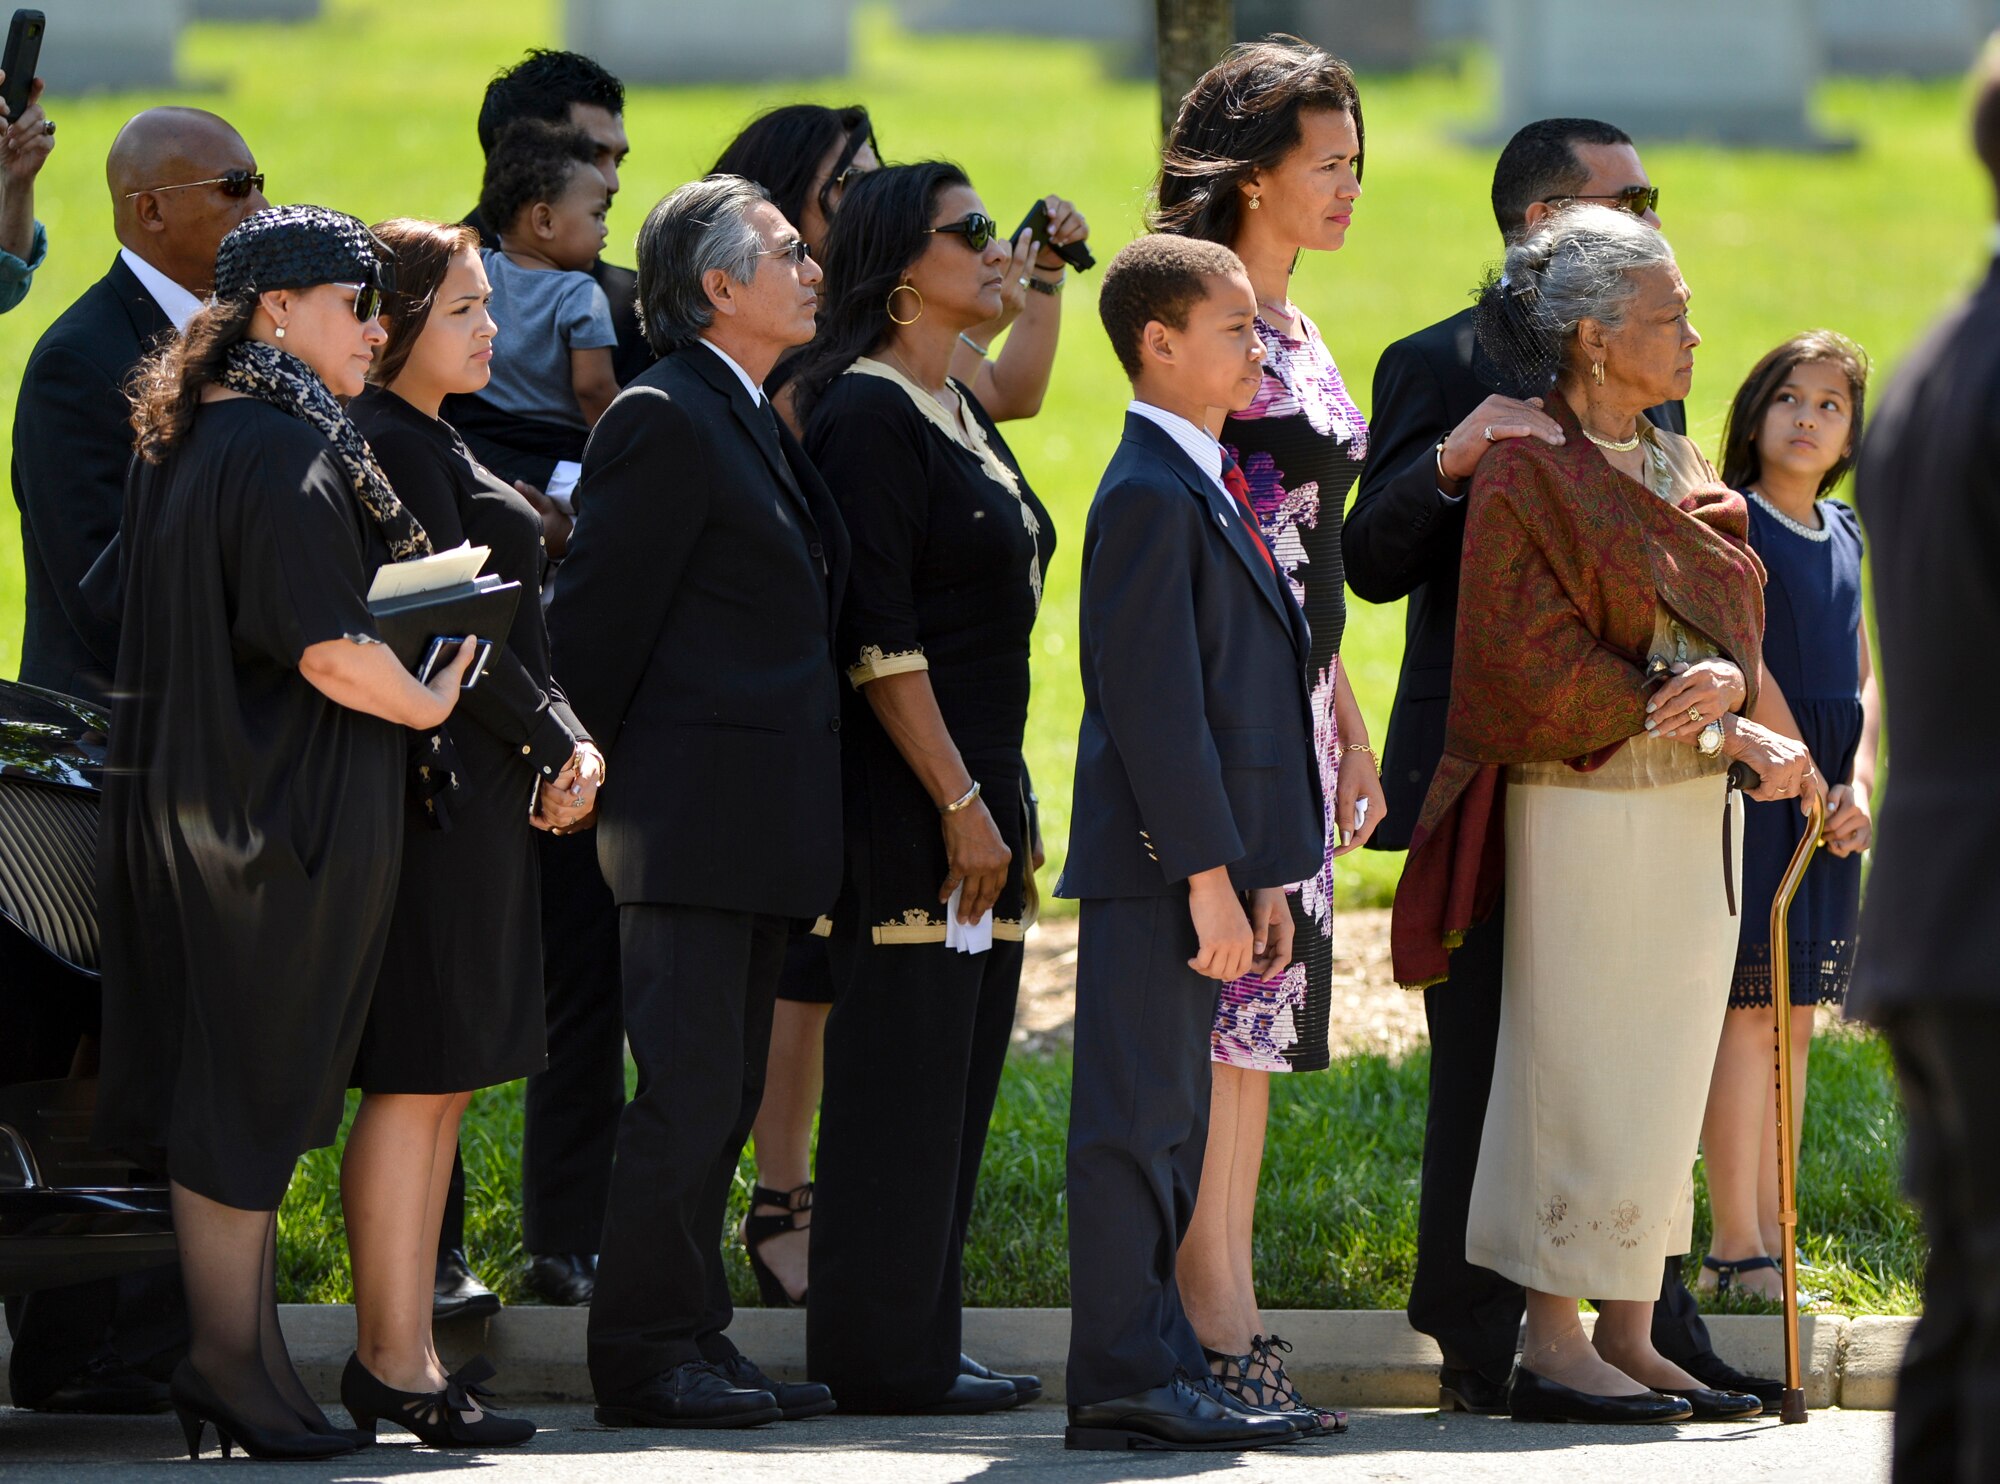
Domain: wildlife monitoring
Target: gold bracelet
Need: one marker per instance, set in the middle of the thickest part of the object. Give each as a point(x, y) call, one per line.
point(1374, 758)
point(963, 801)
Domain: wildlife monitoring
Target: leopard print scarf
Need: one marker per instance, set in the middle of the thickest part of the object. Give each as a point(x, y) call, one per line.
point(282, 379)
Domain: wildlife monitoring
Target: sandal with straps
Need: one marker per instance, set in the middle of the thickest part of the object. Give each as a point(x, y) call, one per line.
point(757, 1230)
point(1726, 1273)
point(1266, 1352)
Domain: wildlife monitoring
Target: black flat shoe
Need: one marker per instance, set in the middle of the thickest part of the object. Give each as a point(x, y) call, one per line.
point(451, 1418)
point(197, 1405)
point(1030, 1387)
point(757, 1230)
point(1711, 1405)
point(1171, 1418)
point(457, 1294)
point(1533, 1398)
point(692, 1394)
point(1469, 1391)
point(797, 1400)
point(1719, 1375)
point(970, 1395)
point(566, 1279)
point(104, 1387)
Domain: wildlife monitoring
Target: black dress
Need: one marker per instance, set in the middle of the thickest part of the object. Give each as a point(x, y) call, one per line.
point(251, 828)
point(458, 1004)
point(949, 547)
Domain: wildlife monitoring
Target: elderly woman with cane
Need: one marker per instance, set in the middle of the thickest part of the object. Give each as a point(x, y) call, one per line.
point(1608, 673)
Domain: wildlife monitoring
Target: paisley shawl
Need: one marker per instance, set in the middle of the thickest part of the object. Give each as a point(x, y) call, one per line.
point(1566, 564)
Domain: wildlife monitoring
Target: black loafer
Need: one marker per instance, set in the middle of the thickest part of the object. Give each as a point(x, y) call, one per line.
point(1719, 1375)
point(797, 1400)
point(565, 1279)
point(1468, 1390)
point(692, 1394)
point(1030, 1387)
point(457, 1293)
point(970, 1395)
point(105, 1387)
point(1711, 1405)
point(1533, 1398)
point(1171, 1418)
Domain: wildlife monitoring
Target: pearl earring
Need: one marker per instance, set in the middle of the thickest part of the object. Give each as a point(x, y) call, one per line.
point(280, 332)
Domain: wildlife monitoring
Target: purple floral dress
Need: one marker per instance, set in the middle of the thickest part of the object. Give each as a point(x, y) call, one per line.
point(1300, 445)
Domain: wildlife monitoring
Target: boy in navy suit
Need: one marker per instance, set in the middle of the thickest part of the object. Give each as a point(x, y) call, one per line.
point(1196, 799)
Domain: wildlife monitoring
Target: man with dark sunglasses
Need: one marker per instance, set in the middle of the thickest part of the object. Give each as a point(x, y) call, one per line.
point(180, 179)
point(1436, 412)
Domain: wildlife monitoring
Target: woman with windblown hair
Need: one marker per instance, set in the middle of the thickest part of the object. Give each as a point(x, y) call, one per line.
point(1608, 665)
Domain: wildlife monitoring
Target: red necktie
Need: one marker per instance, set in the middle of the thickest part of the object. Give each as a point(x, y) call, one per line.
point(1239, 487)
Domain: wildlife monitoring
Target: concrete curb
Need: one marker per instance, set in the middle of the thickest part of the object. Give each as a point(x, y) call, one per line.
point(1340, 1357)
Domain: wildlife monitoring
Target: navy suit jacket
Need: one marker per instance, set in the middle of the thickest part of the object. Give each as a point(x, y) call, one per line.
point(1196, 748)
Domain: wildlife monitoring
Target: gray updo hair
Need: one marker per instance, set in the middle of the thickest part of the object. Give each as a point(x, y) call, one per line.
point(698, 227)
point(1577, 265)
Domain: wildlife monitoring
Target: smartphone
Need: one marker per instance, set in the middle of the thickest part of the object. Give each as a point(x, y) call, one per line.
point(1076, 254)
point(441, 651)
point(23, 55)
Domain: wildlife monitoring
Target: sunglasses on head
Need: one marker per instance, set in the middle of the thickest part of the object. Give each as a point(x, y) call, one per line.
point(236, 183)
point(976, 229)
point(1636, 199)
point(796, 250)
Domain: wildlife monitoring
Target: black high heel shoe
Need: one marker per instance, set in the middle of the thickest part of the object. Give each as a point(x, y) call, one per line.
point(438, 1418)
point(757, 1230)
point(197, 1405)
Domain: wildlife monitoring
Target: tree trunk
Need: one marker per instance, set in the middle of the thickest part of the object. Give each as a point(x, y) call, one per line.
point(1193, 34)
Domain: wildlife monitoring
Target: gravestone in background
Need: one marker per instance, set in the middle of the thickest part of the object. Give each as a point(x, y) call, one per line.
point(1920, 38)
point(256, 10)
point(1127, 21)
point(1372, 34)
point(98, 45)
point(694, 41)
point(1733, 71)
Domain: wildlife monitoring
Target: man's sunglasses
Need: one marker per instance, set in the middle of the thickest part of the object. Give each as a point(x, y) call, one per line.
point(976, 229)
point(367, 299)
point(796, 250)
point(1636, 199)
point(237, 183)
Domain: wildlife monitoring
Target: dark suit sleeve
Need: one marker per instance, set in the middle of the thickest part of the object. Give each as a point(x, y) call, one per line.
point(641, 506)
point(1402, 526)
point(73, 441)
point(1138, 616)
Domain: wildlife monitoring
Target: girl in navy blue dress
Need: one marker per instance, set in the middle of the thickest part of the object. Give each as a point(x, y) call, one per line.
point(1789, 439)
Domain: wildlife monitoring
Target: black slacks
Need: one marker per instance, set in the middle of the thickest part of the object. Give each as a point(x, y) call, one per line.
point(699, 986)
point(1472, 1312)
point(1138, 1128)
point(1948, 1393)
point(570, 1126)
point(915, 1045)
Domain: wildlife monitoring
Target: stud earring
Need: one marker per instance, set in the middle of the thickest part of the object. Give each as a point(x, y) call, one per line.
point(1597, 372)
point(280, 332)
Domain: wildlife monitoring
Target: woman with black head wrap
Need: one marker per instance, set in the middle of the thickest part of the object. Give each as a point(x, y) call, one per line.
point(253, 807)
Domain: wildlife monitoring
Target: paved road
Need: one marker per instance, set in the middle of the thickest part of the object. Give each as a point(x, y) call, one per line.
point(1018, 1448)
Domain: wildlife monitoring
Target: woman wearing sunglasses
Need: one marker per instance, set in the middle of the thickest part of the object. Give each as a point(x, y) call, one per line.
point(1265, 158)
point(253, 806)
point(808, 156)
point(949, 548)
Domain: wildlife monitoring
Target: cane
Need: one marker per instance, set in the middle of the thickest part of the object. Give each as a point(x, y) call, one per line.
point(1793, 1408)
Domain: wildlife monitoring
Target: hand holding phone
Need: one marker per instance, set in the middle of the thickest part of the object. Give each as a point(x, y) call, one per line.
point(1076, 254)
point(18, 62)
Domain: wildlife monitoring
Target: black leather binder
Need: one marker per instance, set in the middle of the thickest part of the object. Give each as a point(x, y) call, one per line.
point(408, 623)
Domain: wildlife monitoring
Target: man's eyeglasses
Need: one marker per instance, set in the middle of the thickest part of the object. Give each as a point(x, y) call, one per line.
point(976, 229)
point(236, 183)
point(1636, 199)
point(367, 299)
point(796, 250)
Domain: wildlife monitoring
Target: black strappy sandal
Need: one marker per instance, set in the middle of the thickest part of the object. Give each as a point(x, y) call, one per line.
point(757, 1230)
point(1726, 1273)
point(1265, 1352)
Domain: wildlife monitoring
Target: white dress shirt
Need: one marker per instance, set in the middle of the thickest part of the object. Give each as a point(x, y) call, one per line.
point(175, 302)
point(1196, 442)
point(756, 392)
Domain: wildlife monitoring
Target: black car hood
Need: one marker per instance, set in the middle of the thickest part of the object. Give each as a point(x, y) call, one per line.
point(52, 756)
point(50, 738)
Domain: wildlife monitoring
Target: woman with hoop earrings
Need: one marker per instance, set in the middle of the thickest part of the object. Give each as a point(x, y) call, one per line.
point(949, 548)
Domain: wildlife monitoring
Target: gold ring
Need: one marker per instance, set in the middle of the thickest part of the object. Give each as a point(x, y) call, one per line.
point(1694, 715)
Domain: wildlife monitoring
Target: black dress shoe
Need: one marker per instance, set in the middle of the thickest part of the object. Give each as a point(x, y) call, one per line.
point(566, 1279)
point(1212, 1387)
point(1030, 1387)
point(105, 1387)
point(1175, 1418)
point(692, 1394)
point(1711, 1405)
point(973, 1394)
point(457, 1293)
point(1468, 1390)
point(796, 1400)
point(1533, 1398)
point(1719, 1375)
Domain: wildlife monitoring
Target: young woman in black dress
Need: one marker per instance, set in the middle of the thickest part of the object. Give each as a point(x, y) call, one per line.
point(949, 547)
point(458, 1005)
point(253, 807)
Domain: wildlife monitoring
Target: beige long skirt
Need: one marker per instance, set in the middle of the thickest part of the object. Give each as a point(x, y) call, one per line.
point(1620, 947)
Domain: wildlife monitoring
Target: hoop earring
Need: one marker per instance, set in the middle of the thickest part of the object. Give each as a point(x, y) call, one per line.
point(279, 331)
point(1256, 204)
point(902, 288)
point(1597, 372)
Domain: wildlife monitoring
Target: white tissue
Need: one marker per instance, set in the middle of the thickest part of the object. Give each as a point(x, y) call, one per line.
point(974, 939)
